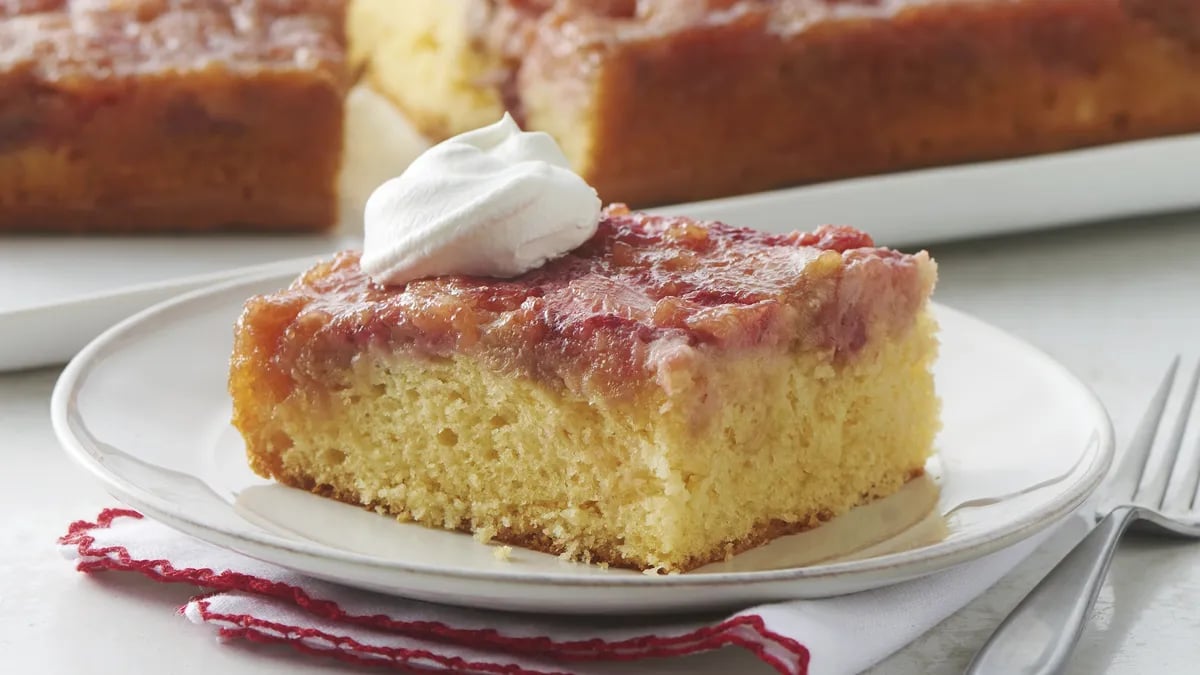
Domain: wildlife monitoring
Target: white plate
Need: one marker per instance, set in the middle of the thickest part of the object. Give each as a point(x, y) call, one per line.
point(145, 409)
point(988, 198)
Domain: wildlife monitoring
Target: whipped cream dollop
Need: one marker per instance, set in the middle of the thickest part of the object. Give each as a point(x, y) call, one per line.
point(496, 201)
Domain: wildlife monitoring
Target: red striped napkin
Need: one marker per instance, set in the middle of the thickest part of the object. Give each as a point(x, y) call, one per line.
point(252, 600)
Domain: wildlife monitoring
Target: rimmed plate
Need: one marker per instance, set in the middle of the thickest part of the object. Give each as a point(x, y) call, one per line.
point(144, 408)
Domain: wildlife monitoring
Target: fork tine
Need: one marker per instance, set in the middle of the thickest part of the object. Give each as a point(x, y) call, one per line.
point(1191, 495)
point(1194, 480)
point(1191, 480)
point(1133, 464)
point(1155, 491)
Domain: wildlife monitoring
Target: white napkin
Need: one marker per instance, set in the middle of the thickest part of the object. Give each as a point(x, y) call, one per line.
point(258, 601)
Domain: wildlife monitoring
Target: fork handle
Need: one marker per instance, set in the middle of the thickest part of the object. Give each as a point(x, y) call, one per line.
point(1037, 638)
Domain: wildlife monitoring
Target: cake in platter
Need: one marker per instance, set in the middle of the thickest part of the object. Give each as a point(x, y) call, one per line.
point(666, 101)
point(170, 115)
point(505, 357)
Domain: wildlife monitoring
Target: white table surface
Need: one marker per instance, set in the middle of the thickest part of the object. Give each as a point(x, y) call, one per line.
point(1112, 302)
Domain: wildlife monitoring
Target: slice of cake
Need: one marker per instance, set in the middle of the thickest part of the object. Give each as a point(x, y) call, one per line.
point(665, 395)
point(170, 115)
point(665, 101)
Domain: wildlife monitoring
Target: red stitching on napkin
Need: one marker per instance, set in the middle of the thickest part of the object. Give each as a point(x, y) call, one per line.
point(252, 628)
point(255, 636)
point(708, 638)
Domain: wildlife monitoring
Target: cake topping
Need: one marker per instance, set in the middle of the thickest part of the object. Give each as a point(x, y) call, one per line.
point(642, 303)
point(493, 202)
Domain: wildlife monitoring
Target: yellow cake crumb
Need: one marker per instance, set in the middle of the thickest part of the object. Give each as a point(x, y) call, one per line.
point(781, 447)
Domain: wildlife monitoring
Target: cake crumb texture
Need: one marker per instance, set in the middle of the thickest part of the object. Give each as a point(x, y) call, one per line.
point(396, 45)
point(791, 438)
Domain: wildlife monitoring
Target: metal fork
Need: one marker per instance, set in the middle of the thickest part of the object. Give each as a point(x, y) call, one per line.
point(1040, 634)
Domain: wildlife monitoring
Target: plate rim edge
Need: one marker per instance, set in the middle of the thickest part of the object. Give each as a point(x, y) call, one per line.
point(76, 371)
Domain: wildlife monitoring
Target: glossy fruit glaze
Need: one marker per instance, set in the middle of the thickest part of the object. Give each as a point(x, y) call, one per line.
point(646, 298)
